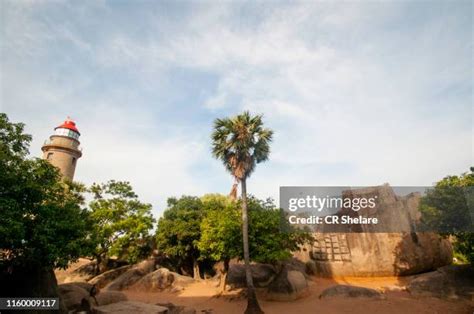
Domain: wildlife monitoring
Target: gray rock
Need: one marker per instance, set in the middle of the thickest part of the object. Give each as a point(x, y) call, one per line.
point(452, 282)
point(127, 307)
point(386, 252)
point(84, 285)
point(109, 297)
point(105, 278)
point(72, 295)
point(295, 264)
point(146, 266)
point(288, 285)
point(311, 268)
point(262, 275)
point(126, 280)
point(132, 275)
point(162, 279)
point(351, 292)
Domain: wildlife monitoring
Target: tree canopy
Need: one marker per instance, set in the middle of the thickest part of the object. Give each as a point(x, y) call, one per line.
point(120, 222)
point(41, 222)
point(241, 143)
point(449, 207)
point(221, 233)
point(178, 231)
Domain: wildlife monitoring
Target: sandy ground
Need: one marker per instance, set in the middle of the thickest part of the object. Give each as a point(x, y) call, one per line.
point(202, 296)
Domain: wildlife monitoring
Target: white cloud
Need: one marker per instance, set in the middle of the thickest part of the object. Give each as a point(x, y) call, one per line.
point(358, 93)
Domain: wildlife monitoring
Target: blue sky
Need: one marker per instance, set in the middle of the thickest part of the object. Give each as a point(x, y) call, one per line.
point(358, 93)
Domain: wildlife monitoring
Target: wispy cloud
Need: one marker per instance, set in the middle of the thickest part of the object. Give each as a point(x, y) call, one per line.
point(358, 93)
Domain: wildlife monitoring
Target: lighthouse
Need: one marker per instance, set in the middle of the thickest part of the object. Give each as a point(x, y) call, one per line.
point(62, 149)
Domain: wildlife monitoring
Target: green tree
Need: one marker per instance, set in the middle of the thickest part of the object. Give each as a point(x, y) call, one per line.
point(449, 207)
point(42, 224)
point(221, 233)
point(178, 232)
point(120, 223)
point(241, 143)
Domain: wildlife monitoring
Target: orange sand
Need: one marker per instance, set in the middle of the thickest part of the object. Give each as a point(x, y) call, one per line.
point(202, 296)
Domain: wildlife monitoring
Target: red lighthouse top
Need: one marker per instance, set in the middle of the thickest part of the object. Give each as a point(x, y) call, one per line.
point(68, 124)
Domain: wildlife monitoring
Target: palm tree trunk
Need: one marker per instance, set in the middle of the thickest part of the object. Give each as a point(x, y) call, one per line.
point(252, 303)
point(223, 276)
point(196, 273)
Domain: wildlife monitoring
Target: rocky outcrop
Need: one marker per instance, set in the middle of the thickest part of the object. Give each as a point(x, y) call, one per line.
point(451, 282)
point(132, 275)
point(108, 297)
point(346, 291)
point(105, 278)
point(72, 295)
point(262, 275)
point(126, 280)
point(80, 296)
point(288, 285)
point(377, 254)
point(147, 266)
point(367, 253)
point(162, 279)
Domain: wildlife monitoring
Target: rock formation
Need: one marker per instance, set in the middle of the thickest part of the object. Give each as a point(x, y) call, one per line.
point(346, 291)
point(287, 286)
point(367, 252)
point(262, 275)
point(451, 282)
point(163, 279)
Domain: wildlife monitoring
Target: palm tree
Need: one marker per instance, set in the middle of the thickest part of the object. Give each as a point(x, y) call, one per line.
point(241, 143)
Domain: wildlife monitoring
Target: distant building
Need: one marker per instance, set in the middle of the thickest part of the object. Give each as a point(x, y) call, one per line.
point(62, 149)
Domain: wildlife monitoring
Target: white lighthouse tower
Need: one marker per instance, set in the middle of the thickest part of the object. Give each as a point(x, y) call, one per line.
point(62, 149)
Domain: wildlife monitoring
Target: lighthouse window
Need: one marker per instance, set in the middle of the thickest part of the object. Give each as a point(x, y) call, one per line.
point(50, 155)
point(73, 161)
point(66, 132)
point(63, 132)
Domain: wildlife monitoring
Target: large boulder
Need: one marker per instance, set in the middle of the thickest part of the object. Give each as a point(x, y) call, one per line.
point(288, 285)
point(82, 296)
point(346, 291)
point(127, 307)
point(262, 275)
point(451, 282)
point(105, 278)
point(162, 279)
point(132, 275)
point(147, 266)
point(311, 267)
point(126, 280)
point(390, 248)
point(108, 297)
point(73, 296)
point(295, 264)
